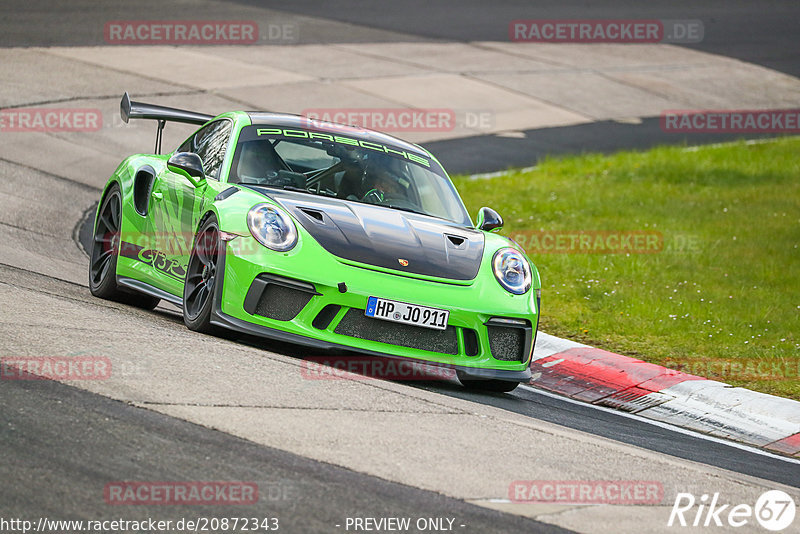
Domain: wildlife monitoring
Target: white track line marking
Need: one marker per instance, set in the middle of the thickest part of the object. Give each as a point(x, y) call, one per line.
point(663, 425)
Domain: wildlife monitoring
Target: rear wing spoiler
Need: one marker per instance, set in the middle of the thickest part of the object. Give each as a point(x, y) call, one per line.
point(139, 110)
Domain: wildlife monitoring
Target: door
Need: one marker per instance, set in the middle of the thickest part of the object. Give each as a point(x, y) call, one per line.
point(178, 205)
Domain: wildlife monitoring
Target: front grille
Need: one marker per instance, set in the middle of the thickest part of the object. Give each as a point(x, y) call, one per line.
point(356, 324)
point(278, 298)
point(510, 340)
point(506, 344)
point(281, 303)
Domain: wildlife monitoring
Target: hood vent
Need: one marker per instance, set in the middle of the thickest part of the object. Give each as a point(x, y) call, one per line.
point(313, 214)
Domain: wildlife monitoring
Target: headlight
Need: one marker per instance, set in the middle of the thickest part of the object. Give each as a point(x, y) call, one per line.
point(272, 227)
point(512, 270)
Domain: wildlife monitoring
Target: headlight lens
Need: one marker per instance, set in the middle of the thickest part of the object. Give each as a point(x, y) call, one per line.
point(512, 270)
point(272, 227)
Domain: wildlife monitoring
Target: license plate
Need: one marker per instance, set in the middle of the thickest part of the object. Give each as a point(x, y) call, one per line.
point(403, 312)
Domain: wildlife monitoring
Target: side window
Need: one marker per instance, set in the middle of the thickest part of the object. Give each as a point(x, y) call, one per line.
point(210, 143)
point(186, 146)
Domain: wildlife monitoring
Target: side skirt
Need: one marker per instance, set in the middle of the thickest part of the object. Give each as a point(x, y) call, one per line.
point(147, 289)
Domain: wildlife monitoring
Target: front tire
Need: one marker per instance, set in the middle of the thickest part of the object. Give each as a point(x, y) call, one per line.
point(201, 278)
point(104, 254)
point(490, 385)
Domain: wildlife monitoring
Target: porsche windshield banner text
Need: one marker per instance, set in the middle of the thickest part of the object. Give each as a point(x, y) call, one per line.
point(348, 141)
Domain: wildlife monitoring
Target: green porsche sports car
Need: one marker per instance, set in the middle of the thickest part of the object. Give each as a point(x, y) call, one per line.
point(319, 234)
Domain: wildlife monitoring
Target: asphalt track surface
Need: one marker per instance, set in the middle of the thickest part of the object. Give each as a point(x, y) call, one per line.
point(598, 421)
point(763, 32)
point(637, 432)
point(61, 444)
point(490, 153)
point(594, 420)
point(57, 470)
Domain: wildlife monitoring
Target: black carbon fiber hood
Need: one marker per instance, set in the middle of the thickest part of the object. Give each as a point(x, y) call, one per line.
point(386, 237)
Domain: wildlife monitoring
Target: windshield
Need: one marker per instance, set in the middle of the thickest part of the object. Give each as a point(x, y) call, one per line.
point(347, 168)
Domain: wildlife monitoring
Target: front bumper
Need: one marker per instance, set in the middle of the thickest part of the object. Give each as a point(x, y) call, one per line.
point(313, 299)
point(244, 327)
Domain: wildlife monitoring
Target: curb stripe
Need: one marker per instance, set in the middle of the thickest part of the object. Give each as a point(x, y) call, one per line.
point(599, 377)
point(790, 445)
point(591, 375)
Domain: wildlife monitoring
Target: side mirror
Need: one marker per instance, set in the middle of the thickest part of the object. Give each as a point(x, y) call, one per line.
point(489, 220)
point(189, 165)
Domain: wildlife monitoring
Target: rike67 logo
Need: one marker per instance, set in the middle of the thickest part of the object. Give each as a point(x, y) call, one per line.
point(774, 510)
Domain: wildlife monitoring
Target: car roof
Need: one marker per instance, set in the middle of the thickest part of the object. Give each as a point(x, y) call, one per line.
point(304, 123)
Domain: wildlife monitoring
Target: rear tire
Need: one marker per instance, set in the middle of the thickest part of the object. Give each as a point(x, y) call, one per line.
point(201, 279)
point(490, 385)
point(104, 254)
